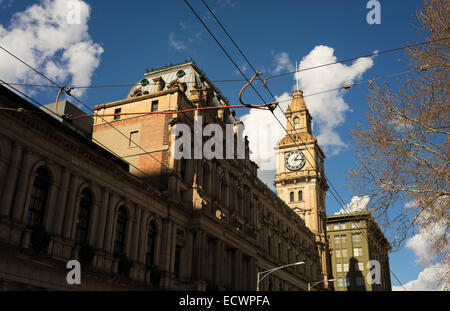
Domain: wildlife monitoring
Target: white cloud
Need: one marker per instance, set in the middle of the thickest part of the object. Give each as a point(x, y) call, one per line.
point(282, 63)
point(42, 37)
point(328, 109)
point(264, 133)
point(429, 231)
point(426, 280)
point(435, 275)
point(357, 204)
point(176, 44)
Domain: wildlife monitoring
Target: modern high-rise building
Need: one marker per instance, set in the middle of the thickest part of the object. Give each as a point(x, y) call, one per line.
point(359, 252)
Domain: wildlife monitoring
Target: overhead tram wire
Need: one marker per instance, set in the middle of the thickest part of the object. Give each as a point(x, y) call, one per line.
point(344, 87)
point(224, 50)
point(76, 98)
point(340, 200)
point(51, 111)
point(343, 203)
point(266, 86)
point(241, 80)
point(357, 57)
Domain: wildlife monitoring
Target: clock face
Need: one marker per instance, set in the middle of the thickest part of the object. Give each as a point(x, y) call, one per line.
point(295, 160)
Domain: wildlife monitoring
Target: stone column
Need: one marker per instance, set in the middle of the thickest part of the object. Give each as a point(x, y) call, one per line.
point(109, 237)
point(189, 254)
point(101, 226)
point(8, 190)
point(202, 261)
point(129, 232)
point(142, 228)
point(61, 202)
point(69, 216)
point(22, 187)
point(93, 225)
point(238, 267)
point(136, 237)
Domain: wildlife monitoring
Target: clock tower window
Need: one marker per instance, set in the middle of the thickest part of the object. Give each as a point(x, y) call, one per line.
point(291, 197)
point(296, 123)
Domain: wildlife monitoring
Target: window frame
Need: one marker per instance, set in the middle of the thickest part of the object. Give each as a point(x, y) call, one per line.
point(121, 231)
point(153, 104)
point(39, 197)
point(117, 112)
point(85, 204)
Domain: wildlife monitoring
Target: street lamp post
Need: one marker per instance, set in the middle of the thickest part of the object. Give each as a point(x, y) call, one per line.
point(311, 285)
point(261, 275)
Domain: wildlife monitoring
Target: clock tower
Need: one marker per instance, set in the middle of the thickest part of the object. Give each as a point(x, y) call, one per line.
point(300, 179)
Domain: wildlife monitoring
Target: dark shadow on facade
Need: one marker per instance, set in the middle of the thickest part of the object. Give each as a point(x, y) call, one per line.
point(355, 278)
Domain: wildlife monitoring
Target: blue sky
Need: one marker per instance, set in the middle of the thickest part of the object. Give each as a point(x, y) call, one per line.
point(125, 38)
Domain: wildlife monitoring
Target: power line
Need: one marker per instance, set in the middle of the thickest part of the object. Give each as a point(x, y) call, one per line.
point(51, 111)
point(78, 100)
point(341, 202)
point(223, 28)
point(344, 87)
point(357, 57)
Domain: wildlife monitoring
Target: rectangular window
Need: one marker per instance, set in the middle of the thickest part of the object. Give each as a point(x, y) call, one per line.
point(336, 226)
point(339, 267)
point(133, 139)
point(177, 261)
point(337, 239)
point(340, 282)
point(345, 267)
point(338, 253)
point(360, 266)
point(154, 105)
point(356, 238)
point(357, 251)
point(343, 225)
point(343, 239)
point(117, 112)
point(355, 225)
point(344, 253)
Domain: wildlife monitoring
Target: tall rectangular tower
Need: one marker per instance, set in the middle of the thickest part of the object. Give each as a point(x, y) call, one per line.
point(300, 179)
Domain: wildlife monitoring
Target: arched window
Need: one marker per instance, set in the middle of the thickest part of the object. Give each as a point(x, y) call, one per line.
point(84, 215)
point(38, 200)
point(119, 243)
point(151, 243)
point(296, 123)
point(291, 197)
point(300, 195)
point(205, 177)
